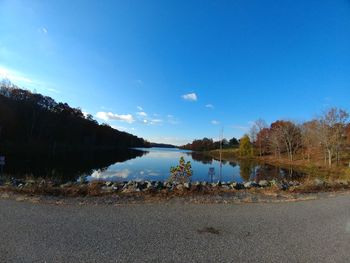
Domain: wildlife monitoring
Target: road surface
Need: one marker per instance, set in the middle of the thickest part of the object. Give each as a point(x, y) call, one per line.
point(308, 231)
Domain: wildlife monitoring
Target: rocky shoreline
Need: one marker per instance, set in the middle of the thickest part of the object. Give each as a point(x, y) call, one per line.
point(107, 192)
point(147, 186)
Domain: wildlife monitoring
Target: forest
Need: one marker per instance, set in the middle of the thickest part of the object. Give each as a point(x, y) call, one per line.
point(323, 141)
point(33, 123)
point(207, 144)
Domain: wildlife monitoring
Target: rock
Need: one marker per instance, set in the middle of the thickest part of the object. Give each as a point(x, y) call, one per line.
point(233, 185)
point(263, 183)
point(68, 184)
point(319, 182)
point(225, 187)
point(17, 182)
point(273, 182)
point(108, 184)
point(180, 187)
point(42, 183)
point(284, 186)
point(106, 189)
point(29, 183)
point(239, 186)
point(342, 182)
point(248, 185)
point(187, 185)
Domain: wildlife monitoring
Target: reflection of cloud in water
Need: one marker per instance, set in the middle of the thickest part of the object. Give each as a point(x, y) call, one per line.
point(165, 155)
point(149, 172)
point(98, 174)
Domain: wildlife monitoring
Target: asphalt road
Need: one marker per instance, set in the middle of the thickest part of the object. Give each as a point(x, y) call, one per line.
point(308, 231)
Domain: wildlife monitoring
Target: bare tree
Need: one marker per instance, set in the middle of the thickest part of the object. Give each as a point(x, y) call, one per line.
point(332, 127)
point(255, 130)
point(309, 138)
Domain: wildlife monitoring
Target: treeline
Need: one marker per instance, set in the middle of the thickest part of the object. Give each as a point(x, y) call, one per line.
point(31, 122)
point(207, 144)
point(324, 140)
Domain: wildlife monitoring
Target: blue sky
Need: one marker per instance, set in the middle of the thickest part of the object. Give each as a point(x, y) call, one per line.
point(173, 71)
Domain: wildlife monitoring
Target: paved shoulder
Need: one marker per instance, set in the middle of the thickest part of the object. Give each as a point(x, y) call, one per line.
point(311, 231)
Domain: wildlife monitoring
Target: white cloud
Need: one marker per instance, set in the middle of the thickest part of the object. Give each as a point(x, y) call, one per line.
point(190, 97)
point(210, 106)
point(155, 121)
point(43, 30)
point(98, 174)
point(106, 116)
point(215, 122)
point(142, 114)
point(240, 127)
point(14, 76)
point(139, 108)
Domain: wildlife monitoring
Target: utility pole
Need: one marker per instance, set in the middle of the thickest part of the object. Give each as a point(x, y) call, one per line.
point(221, 139)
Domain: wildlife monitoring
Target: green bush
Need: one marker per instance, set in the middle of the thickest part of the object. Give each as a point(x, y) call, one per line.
point(182, 172)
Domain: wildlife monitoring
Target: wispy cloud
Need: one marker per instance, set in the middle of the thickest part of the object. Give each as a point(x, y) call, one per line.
point(190, 97)
point(240, 127)
point(106, 116)
point(14, 76)
point(142, 114)
point(215, 122)
point(172, 120)
point(43, 30)
point(210, 106)
point(139, 108)
point(20, 79)
point(155, 121)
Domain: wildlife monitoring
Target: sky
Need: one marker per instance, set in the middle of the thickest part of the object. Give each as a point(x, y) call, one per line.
point(173, 71)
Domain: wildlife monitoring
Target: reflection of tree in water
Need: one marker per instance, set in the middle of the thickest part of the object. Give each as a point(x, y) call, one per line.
point(270, 172)
point(246, 169)
point(267, 172)
point(63, 168)
point(200, 157)
point(233, 164)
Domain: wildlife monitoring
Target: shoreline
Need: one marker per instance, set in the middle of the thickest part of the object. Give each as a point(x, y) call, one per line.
point(156, 192)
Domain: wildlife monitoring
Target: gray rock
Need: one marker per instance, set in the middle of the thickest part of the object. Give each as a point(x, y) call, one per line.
point(233, 185)
point(319, 182)
point(284, 186)
point(273, 182)
point(180, 187)
point(248, 185)
point(187, 185)
point(263, 183)
point(108, 183)
point(225, 187)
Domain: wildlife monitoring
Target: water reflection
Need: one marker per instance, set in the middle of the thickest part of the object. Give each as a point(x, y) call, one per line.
point(63, 168)
point(139, 165)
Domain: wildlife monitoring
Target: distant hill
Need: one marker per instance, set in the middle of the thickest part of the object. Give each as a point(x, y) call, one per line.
point(31, 122)
point(162, 145)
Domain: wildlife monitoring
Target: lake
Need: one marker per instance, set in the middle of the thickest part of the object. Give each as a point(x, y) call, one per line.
point(139, 164)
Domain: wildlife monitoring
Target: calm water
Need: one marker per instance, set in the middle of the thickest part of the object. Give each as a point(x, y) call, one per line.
point(155, 163)
point(138, 164)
